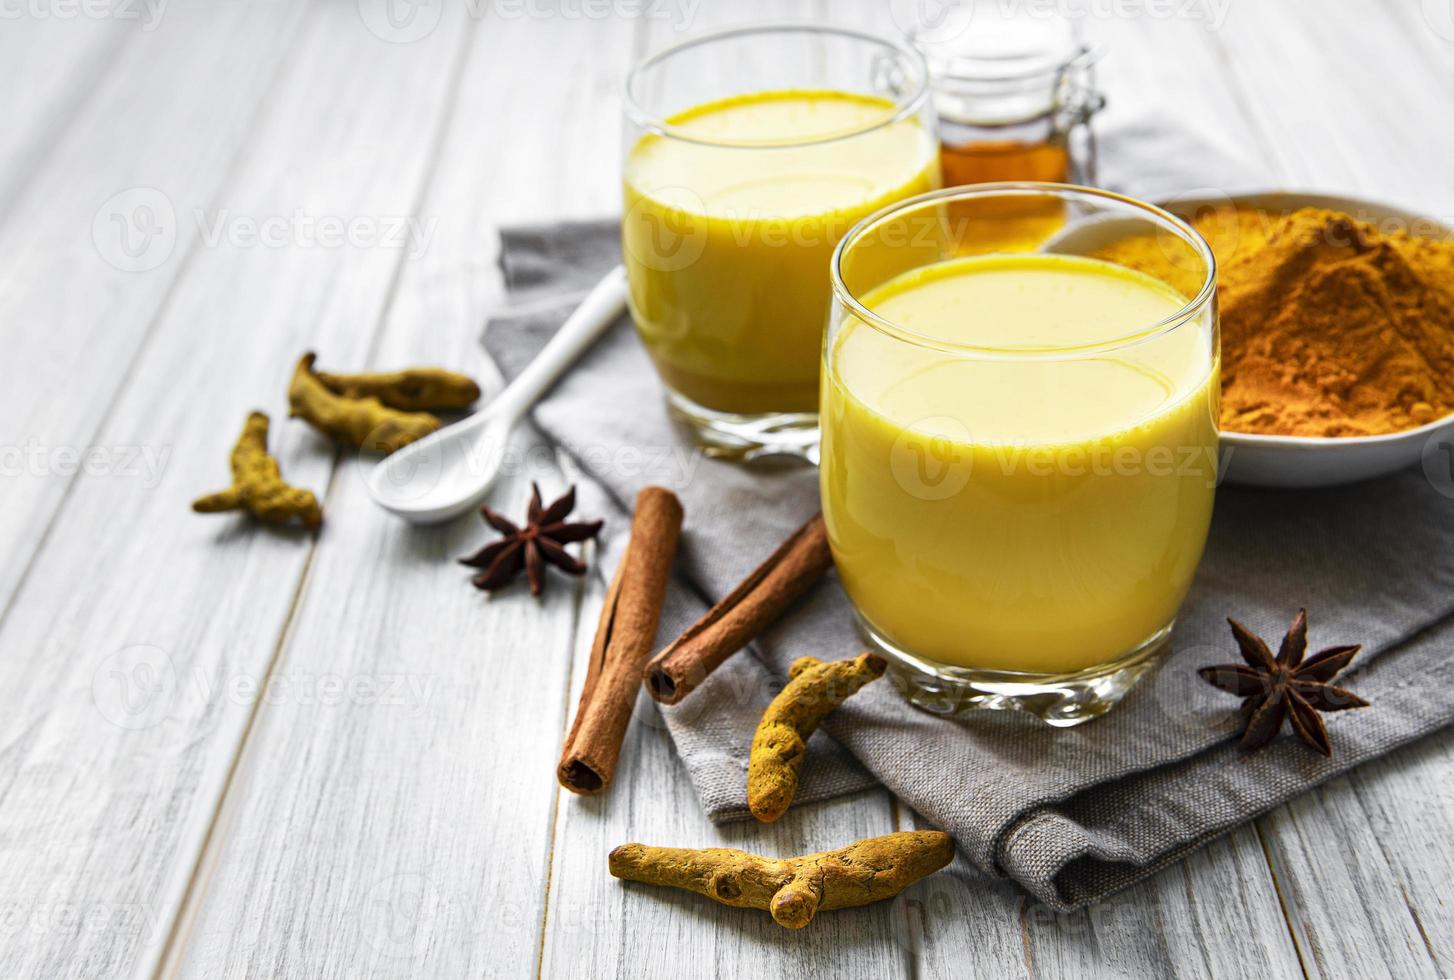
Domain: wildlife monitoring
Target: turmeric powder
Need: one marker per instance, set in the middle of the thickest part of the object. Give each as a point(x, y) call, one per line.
point(793, 890)
point(1330, 326)
point(257, 484)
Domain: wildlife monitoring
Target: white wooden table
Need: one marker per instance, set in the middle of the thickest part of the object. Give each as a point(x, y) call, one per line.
point(228, 752)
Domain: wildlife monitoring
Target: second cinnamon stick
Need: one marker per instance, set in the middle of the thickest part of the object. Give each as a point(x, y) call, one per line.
point(750, 608)
point(624, 638)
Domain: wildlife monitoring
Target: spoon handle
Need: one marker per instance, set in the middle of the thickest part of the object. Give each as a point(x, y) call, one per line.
point(602, 305)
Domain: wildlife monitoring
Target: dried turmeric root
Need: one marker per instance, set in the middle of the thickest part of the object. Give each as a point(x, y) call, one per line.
point(421, 389)
point(793, 889)
point(815, 689)
point(257, 485)
point(363, 422)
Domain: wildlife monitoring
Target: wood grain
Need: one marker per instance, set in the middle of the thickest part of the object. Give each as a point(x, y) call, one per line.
point(1363, 864)
point(76, 320)
point(390, 808)
point(63, 64)
point(422, 833)
point(1315, 79)
point(964, 923)
point(141, 634)
point(597, 926)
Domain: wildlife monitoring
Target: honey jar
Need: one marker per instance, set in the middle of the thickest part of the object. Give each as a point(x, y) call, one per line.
point(1015, 96)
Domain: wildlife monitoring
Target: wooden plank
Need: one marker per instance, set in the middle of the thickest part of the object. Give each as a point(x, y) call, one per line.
point(137, 647)
point(79, 315)
point(404, 835)
point(1367, 866)
point(1229, 864)
point(1316, 78)
point(1177, 923)
point(394, 839)
point(417, 842)
point(1363, 862)
point(61, 64)
point(597, 926)
point(1429, 29)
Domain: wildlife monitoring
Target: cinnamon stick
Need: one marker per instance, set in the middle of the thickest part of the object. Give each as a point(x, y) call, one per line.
point(624, 638)
point(750, 608)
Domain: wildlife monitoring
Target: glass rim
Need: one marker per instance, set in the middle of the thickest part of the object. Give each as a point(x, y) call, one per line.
point(904, 107)
point(1189, 310)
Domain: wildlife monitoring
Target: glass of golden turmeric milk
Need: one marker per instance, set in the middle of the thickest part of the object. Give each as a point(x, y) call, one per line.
point(1019, 440)
point(749, 154)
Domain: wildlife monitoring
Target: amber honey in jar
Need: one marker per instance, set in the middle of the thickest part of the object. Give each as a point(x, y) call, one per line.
point(982, 161)
point(1015, 95)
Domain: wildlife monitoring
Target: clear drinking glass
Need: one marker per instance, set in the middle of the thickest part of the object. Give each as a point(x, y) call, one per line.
point(749, 153)
point(1019, 440)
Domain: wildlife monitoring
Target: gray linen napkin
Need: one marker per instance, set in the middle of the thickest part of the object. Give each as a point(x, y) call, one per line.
point(1073, 815)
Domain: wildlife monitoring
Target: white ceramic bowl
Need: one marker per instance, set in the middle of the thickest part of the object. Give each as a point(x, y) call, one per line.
point(1297, 461)
point(1309, 461)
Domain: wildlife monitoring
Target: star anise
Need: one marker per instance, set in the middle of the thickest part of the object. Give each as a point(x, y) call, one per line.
point(541, 540)
point(1272, 688)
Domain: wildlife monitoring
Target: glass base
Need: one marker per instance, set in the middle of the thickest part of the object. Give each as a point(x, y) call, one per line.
point(1062, 700)
point(723, 435)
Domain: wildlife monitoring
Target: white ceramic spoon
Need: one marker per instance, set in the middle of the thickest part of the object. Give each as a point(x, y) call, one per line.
point(448, 472)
